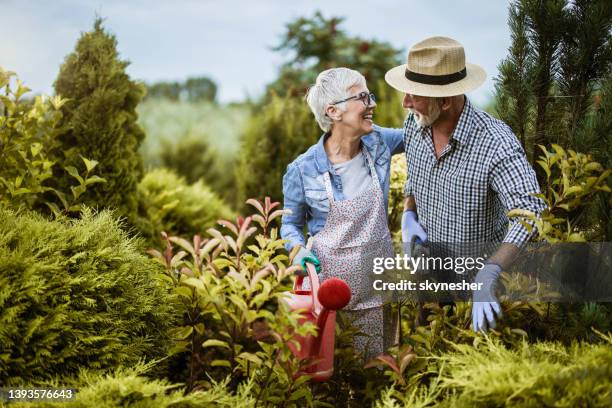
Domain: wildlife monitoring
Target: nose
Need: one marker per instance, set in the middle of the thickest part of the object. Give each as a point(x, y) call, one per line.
point(407, 102)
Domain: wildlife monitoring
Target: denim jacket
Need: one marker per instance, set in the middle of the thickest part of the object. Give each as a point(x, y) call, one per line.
point(304, 188)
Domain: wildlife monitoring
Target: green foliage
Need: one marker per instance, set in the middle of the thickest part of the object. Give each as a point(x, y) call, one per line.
point(75, 294)
point(194, 89)
point(318, 43)
point(543, 374)
point(559, 57)
point(128, 387)
point(273, 138)
point(572, 179)
point(179, 208)
point(99, 120)
point(399, 172)
point(28, 134)
point(389, 110)
point(194, 159)
point(179, 133)
point(231, 294)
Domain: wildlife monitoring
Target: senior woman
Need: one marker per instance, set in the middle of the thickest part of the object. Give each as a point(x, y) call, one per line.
point(339, 189)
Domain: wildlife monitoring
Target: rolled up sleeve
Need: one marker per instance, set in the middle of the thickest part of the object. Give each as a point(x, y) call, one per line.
point(514, 180)
point(292, 225)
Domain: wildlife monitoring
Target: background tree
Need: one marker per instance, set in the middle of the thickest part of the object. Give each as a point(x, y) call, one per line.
point(554, 86)
point(99, 120)
point(317, 43)
point(273, 138)
point(193, 89)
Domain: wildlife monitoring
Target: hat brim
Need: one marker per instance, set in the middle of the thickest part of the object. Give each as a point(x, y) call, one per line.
point(475, 77)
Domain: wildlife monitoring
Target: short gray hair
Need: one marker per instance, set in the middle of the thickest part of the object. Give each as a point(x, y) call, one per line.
point(331, 85)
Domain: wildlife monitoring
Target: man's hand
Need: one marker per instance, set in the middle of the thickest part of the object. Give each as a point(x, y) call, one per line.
point(302, 257)
point(484, 303)
point(411, 228)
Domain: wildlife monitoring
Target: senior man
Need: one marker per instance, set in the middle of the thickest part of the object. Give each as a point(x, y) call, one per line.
point(466, 169)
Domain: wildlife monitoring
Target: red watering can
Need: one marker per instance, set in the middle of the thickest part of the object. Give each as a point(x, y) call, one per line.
point(319, 306)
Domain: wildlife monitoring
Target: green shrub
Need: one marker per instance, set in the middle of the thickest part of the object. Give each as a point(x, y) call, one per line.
point(532, 375)
point(274, 137)
point(75, 294)
point(130, 388)
point(194, 159)
point(190, 158)
point(178, 208)
point(231, 286)
point(28, 135)
point(99, 120)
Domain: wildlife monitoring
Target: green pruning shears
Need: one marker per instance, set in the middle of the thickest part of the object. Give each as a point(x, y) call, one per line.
point(312, 260)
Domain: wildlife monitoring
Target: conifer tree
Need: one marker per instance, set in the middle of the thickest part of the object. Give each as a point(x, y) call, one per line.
point(100, 119)
point(561, 52)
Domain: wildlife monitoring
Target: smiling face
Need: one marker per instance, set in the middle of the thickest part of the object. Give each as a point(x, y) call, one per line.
point(426, 110)
point(356, 117)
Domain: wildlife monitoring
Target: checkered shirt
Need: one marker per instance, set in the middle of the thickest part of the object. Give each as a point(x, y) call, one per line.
point(481, 174)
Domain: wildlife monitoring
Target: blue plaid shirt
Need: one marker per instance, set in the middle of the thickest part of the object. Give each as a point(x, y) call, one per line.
point(482, 173)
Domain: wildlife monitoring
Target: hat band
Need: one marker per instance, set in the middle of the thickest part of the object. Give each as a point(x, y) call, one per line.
point(435, 79)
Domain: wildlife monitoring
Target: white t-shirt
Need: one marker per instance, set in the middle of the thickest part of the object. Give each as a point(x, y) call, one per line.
point(355, 176)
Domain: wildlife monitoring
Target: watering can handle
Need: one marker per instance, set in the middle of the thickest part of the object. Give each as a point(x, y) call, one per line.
point(314, 286)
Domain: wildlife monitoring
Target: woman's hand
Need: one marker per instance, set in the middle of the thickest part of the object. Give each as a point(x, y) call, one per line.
point(303, 256)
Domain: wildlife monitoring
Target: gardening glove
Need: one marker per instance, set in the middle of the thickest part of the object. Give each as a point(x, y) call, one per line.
point(303, 256)
point(412, 231)
point(484, 303)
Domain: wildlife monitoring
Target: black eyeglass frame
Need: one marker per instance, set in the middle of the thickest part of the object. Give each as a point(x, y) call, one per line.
point(361, 96)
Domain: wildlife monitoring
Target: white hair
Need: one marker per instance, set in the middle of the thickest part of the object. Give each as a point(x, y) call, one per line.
point(332, 85)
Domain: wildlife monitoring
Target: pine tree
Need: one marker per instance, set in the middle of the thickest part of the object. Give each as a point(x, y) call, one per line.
point(561, 51)
point(586, 54)
point(100, 119)
point(514, 95)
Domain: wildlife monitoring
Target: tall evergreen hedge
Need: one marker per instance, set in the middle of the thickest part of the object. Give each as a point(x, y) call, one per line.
point(100, 119)
point(75, 294)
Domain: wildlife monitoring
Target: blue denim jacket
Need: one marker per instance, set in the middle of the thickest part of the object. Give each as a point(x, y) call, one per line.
point(304, 188)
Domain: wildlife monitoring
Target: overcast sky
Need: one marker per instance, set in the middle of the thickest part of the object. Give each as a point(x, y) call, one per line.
point(230, 40)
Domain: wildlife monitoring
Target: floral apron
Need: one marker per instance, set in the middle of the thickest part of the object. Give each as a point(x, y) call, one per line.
point(355, 233)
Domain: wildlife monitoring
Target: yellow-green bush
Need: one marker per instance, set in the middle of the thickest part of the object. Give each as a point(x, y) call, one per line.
point(130, 388)
point(179, 208)
point(28, 138)
point(543, 374)
point(75, 294)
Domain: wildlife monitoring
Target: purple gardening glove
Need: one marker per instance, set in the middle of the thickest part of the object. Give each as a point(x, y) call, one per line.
point(484, 303)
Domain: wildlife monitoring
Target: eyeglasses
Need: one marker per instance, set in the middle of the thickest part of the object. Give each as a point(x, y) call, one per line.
point(365, 97)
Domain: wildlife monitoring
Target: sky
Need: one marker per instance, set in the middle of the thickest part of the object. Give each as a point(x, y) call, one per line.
point(231, 41)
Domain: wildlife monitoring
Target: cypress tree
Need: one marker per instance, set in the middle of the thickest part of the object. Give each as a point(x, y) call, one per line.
point(100, 119)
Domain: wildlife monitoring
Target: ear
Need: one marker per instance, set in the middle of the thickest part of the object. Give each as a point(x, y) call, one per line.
point(333, 113)
point(446, 103)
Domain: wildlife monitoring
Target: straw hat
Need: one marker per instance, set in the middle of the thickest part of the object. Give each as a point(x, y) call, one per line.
point(436, 67)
